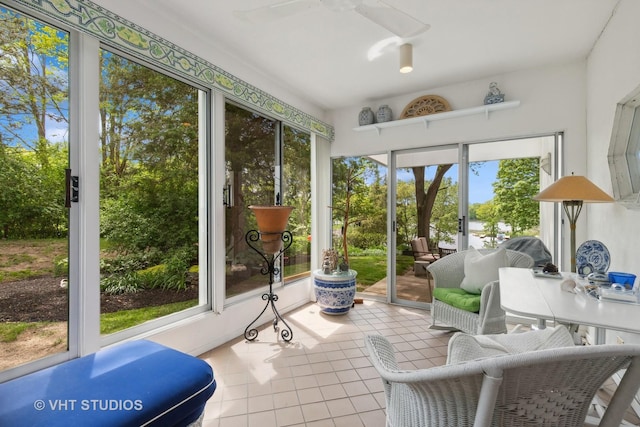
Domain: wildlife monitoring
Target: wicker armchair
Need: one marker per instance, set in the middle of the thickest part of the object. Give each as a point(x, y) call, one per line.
point(448, 272)
point(550, 387)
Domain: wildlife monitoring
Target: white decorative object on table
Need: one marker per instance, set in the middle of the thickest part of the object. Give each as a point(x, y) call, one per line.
point(568, 285)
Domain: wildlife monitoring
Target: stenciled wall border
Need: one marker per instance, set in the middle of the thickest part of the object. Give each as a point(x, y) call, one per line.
point(90, 18)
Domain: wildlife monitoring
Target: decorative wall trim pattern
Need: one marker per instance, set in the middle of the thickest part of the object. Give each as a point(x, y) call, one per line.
point(87, 17)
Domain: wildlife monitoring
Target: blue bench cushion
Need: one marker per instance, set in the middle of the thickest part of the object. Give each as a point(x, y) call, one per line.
point(458, 298)
point(133, 384)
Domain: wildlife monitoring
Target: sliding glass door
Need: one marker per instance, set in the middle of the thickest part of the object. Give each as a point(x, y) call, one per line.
point(34, 221)
point(503, 178)
point(476, 194)
point(426, 183)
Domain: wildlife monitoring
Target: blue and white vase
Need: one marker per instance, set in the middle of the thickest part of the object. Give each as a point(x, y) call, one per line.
point(384, 114)
point(335, 292)
point(365, 117)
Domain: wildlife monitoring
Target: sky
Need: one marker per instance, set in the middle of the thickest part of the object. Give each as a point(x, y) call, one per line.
point(480, 188)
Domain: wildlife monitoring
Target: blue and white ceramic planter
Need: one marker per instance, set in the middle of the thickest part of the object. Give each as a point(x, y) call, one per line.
point(335, 292)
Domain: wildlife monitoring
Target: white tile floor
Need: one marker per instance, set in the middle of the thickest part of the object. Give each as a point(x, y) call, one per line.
point(323, 376)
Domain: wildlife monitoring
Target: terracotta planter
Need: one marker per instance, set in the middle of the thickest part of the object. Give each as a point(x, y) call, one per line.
point(272, 221)
point(335, 292)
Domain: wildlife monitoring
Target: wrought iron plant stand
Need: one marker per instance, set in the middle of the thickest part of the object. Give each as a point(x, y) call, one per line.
point(272, 270)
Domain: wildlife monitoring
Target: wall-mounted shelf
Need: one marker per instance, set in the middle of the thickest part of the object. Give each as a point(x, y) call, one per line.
point(483, 109)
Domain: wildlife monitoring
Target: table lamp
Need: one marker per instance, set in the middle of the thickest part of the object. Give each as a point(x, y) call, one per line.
point(573, 191)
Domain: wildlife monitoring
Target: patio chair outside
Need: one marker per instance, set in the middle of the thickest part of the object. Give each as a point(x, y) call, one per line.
point(421, 251)
point(550, 387)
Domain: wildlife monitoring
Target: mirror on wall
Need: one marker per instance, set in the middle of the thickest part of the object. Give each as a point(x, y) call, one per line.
point(624, 151)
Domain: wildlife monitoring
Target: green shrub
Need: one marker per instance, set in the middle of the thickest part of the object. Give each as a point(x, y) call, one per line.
point(61, 266)
point(122, 283)
point(365, 240)
point(300, 245)
point(131, 262)
point(135, 271)
point(172, 274)
point(372, 251)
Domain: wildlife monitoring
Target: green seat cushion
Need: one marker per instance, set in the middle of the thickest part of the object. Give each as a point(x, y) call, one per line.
point(458, 298)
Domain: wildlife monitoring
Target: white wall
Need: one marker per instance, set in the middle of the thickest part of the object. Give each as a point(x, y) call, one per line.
point(552, 100)
point(613, 71)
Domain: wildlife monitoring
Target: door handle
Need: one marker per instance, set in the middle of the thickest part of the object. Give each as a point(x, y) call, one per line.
point(461, 225)
point(72, 188)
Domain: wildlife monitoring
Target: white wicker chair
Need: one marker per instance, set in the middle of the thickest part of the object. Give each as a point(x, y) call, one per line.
point(448, 272)
point(551, 387)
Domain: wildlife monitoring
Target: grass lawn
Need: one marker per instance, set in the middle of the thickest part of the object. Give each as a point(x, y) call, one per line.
point(9, 331)
point(114, 322)
point(109, 322)
point(22, 259)
point(372, 269)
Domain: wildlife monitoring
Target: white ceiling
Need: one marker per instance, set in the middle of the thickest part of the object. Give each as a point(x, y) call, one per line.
point(322, 55)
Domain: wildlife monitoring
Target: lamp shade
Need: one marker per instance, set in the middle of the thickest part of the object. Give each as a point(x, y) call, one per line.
point(573, 188)
point(573, 191)
point(406, 58)
point(272, 221)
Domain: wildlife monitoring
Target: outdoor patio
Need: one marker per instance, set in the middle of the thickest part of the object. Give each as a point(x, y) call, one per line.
point(408, 287)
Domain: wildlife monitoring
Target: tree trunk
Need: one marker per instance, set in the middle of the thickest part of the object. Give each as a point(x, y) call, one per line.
point(426, 199)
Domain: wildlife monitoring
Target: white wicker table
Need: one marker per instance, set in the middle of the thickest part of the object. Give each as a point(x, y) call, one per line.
point(542, 298)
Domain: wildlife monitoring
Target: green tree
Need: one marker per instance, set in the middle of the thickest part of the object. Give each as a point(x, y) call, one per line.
point(426, 196)
point(352, 203)
point(444, 214)
point(150, 147)
point(517, 182)
point(297, 179)
point(406, 218)
point(473, 208)
point(250, 168)
point(33, 80)
point(488, 213)
point(370, 230)
point(33, 95)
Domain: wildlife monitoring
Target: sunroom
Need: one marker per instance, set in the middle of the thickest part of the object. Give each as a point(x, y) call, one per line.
point(238, 103)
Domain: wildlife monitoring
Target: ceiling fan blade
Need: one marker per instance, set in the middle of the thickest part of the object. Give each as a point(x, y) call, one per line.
point(394, 20)
point(275, 11)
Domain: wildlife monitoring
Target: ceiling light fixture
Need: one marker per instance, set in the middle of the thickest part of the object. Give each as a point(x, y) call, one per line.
point(406, 58)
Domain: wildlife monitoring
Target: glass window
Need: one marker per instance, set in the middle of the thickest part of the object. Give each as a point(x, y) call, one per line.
point(34, 223)
point(359, 218)
point(297, 193)
point(624, 151)
point(250, 157)
point(149, 185)
point(267, 163)
point(633, 152)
